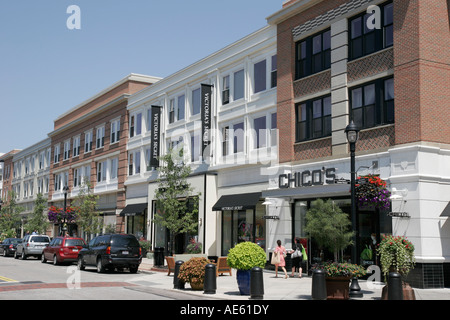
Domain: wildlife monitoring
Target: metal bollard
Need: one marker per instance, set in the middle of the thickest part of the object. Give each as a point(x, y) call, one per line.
point(319, 287)
point(177, 283)
point(210, 285)
point(395, 287)
point(256, 283)
point(355, 289)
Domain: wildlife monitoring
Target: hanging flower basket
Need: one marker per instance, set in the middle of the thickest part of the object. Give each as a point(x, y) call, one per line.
point(57, 215)
point(372, 193)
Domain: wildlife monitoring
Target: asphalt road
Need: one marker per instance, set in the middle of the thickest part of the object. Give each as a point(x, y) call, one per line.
point(32, 280)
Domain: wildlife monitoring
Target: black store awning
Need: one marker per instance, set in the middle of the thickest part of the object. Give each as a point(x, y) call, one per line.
point(134, 209)
point(241, 201)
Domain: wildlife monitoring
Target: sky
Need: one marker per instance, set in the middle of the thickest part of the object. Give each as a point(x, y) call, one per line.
point(47, 68)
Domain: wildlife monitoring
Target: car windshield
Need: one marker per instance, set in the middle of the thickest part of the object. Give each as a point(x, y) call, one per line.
point(124, 241)
point(73, 242)
point(15, 241)
point(39, 239)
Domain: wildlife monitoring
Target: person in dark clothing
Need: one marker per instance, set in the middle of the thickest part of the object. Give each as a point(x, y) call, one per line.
point(297, 258)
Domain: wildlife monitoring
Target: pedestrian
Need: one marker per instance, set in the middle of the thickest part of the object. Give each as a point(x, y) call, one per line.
point(282, 253)
point(297, 257)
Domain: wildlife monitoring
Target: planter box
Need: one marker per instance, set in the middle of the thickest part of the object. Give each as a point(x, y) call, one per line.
point(338, 288)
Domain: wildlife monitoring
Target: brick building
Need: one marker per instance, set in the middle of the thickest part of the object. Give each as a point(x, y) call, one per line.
point(386, 68)
point(89, 142)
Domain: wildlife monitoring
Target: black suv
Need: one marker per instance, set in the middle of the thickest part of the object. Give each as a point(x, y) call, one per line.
point(111, 251)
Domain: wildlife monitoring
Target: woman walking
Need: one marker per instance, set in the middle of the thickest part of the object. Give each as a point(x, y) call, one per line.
point(297, 258)
point(281, 252)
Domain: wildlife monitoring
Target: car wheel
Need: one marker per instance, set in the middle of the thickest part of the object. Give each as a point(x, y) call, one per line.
point(4, 253)
point(55, 260)
point(134, 269)
point(16, 256)
point(23, 256)
point(43, 260)
point(80, 264)
point(100, 266)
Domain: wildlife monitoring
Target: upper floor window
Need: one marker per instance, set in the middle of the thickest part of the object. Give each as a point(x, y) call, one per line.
point(76, 146)
point(313, 54)
point(56, 154)
point(66, 150)
point(260, 70)
point(100, 137)
point(372, 104)
point(273, 72)
point(115, 131)
point(196, 101)
point(88, 141)
point(313, 119)
point(233, 88)
point(365, 39)
point(135, 124)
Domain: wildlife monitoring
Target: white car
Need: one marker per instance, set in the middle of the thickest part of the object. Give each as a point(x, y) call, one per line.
point(32, 245)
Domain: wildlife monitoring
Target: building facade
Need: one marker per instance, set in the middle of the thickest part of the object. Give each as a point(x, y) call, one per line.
point(367, 61)
point(239, 82)
point(88, 146)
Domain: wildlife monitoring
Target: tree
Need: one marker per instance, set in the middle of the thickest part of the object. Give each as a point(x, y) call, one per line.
point(329, 226)
point(10, 218)
point(177, 207)
point(88, 218)
point(38, 220)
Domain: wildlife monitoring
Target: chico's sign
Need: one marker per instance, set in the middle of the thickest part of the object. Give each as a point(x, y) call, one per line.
point(307, 178)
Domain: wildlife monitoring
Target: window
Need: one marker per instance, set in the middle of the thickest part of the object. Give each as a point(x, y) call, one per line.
point(260, 130)
point(81, 175)
point(135, 125)
point(365, 40)
point(238, 137)
point(313, 119)
point(313, 54)
point(180, 107)
point(134, 163)
point(66, 150)
point(172, 111)
point(195, 147)
point(239, 82)
point(113, 168)
point(372, 104)
point(101, 171)
point(100, 137)
point(88, 141)
point(226, 90)
point(76, 146)
point(226, 140)
point(273, 72)
point(115, 131)
point(196, 101)
point(56, 155)
point(260, 76)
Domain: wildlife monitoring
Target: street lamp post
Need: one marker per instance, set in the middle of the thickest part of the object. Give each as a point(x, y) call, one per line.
point(65, 189)
point(352, 133)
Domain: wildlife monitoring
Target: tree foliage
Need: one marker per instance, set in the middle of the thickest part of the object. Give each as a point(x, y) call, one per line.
point(38, 219)
point(10, 220)
point(176, 201)
point(88, 218)
point(329, 226)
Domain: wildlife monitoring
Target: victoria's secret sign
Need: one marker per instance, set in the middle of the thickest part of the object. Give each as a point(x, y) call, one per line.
point(307, 178)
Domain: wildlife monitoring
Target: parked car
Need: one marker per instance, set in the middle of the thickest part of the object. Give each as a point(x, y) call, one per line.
point(63, 249)
point(9, 245)
point(111, 251)
point(32, 245)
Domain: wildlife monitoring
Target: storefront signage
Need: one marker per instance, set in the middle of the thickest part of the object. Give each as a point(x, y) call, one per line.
point(307, 178)
point(271, 217)
point(156, 130)
point(399, 214)
point(206, 117)
point(232, 208)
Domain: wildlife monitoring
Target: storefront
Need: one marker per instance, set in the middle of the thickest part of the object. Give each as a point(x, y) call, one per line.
point(242, 219)
point(136, 219)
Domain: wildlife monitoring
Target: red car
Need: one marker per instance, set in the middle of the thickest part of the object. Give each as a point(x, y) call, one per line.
point(62, 249)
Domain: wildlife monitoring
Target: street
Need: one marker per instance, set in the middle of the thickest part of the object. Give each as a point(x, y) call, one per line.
point(32, 280)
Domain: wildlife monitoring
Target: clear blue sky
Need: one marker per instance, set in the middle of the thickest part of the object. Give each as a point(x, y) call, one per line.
point(47, 69)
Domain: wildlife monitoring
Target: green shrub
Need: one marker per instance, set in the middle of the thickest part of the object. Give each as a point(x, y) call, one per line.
point(246, 255)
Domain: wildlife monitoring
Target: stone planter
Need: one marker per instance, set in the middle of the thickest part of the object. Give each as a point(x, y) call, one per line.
point(196, 285)
point(408, 292)
point(338, 288)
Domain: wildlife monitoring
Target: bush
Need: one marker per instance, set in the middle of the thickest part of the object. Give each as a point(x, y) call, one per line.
point(193, 270)
point(334, 269)
point(246, 255)
point(396, 254)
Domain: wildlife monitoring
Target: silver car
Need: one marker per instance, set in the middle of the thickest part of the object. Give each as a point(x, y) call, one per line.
point(32, 245)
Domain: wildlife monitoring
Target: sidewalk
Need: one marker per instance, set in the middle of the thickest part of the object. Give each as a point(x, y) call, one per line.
point(274, 288)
